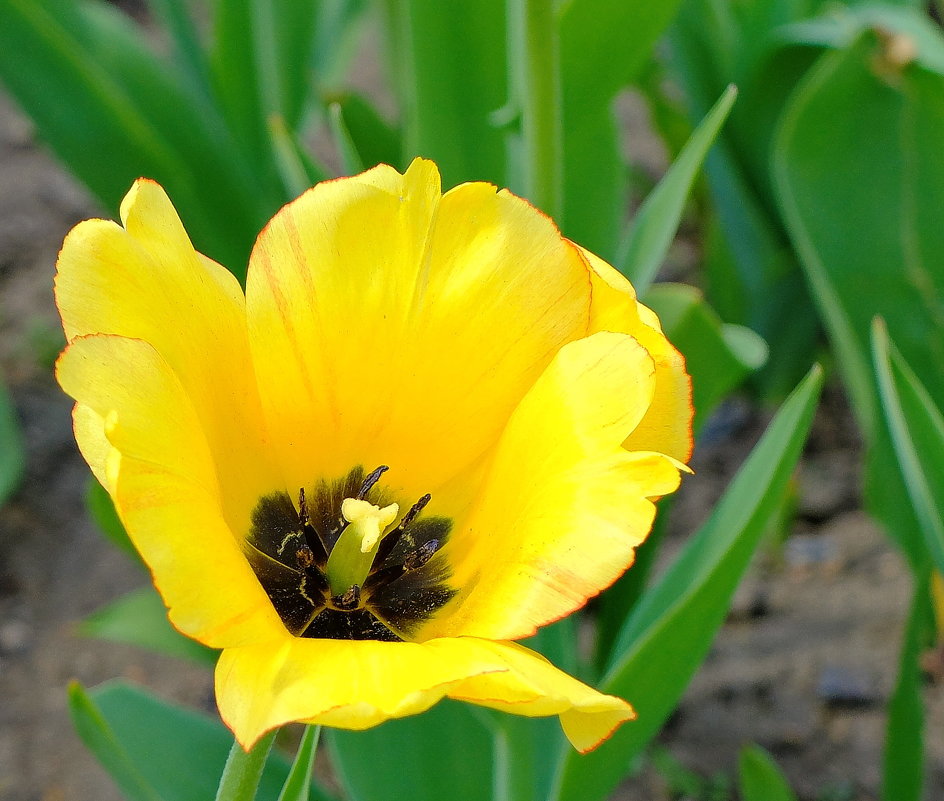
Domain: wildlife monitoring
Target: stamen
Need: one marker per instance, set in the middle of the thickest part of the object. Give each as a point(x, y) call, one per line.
point(416, 559)
point(390, 541)
point(348, 600)
point(369, 482)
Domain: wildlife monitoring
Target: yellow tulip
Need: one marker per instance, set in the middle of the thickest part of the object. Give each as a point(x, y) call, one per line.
point(430, 426)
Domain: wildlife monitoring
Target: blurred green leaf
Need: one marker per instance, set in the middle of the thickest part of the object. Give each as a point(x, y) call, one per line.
point(903, 774)
point(751, 273)
point(759, 777)
point(450, 70)
point(182, 29)
point(594, 173)
point(917, 432)
point(351, 162)
point(655, 225)
point(140, 618)
point(444, 753)
point(373, 137)
point(833, 184)
point(101, 740)
point(102, 511)
point(157, 751)
point(671, 628)
point(113, 111)
point(12, 462)
point(715, 365)
point(298, 784)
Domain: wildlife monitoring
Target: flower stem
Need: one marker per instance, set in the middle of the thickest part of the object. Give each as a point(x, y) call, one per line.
point(243, 770)
point(534, 59)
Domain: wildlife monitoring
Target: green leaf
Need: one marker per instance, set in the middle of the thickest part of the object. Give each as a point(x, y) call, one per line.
point(706, 343)
point(12, 462)
point(760, 778)
point(655, 225)
point(594, 172)
point(373, 137)
point(672, 626)
point(903, 774)
point(351, 162)
point(298, 784)
point(102, 511)
point(450, 70)
point(161, 751)
point(917, 432)
point(140, 618)
point(113, 111)
point(101, 740)
point(445, 752)
point(179, 24)
point(751, 273)
point(896, 270)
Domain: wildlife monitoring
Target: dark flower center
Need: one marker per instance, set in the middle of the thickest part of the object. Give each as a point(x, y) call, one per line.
point(288, 548)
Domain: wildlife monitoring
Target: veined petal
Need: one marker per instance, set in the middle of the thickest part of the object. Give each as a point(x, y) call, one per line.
point(564, 505)
point(145, 281)
point(355, 685)
point(667, 425)
point(387, 328)
point(135, 421)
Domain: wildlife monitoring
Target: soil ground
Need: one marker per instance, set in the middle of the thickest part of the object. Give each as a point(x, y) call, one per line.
point(804, 665)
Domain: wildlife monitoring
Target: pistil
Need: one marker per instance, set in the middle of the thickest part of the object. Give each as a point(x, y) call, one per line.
point(353, 554)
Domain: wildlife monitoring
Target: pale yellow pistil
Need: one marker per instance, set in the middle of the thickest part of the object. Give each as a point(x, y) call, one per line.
point(350, 560)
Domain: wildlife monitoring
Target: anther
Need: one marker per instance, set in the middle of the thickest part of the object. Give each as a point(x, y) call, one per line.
point(348, 600)
point(390, 541)
point(302, 507)
point(416, 559)
point(369, 482)
point(305, 557)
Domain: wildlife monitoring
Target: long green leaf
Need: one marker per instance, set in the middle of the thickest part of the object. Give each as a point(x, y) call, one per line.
point(903, 774)
point(647, 242)
point(444, 753)
point(672, 627)
point(102, 741)
point(759, 777)
point(450, 69)
point(12, 462)
point(895, 271)
point(298, 784)
point(594, 173)
point(140, 618)
point(176, 753)
point(917, 429)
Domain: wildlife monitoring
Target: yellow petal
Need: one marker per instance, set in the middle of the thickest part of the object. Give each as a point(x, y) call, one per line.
point(135, 421)
point(564, 505)
point(667, 426)
point(145, 281)
point(358, 684)
point(391, 325)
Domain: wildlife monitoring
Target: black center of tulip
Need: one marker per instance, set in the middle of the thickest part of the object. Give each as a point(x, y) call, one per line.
point(288, 547)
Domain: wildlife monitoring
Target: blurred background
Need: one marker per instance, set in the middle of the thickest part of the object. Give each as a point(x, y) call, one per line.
point(818, 207)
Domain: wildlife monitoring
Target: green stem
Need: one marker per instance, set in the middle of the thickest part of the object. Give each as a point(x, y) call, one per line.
point(243, 770)
point(534, 60)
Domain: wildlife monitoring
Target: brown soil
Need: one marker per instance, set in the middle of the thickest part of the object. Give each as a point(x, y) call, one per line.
point(803, 667)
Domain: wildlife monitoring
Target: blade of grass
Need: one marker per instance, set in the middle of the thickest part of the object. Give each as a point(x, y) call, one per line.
point(643, 249)
point(903, 774)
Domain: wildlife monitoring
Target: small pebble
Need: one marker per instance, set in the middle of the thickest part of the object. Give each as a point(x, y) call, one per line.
point(842, 688)
point(14, 636)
